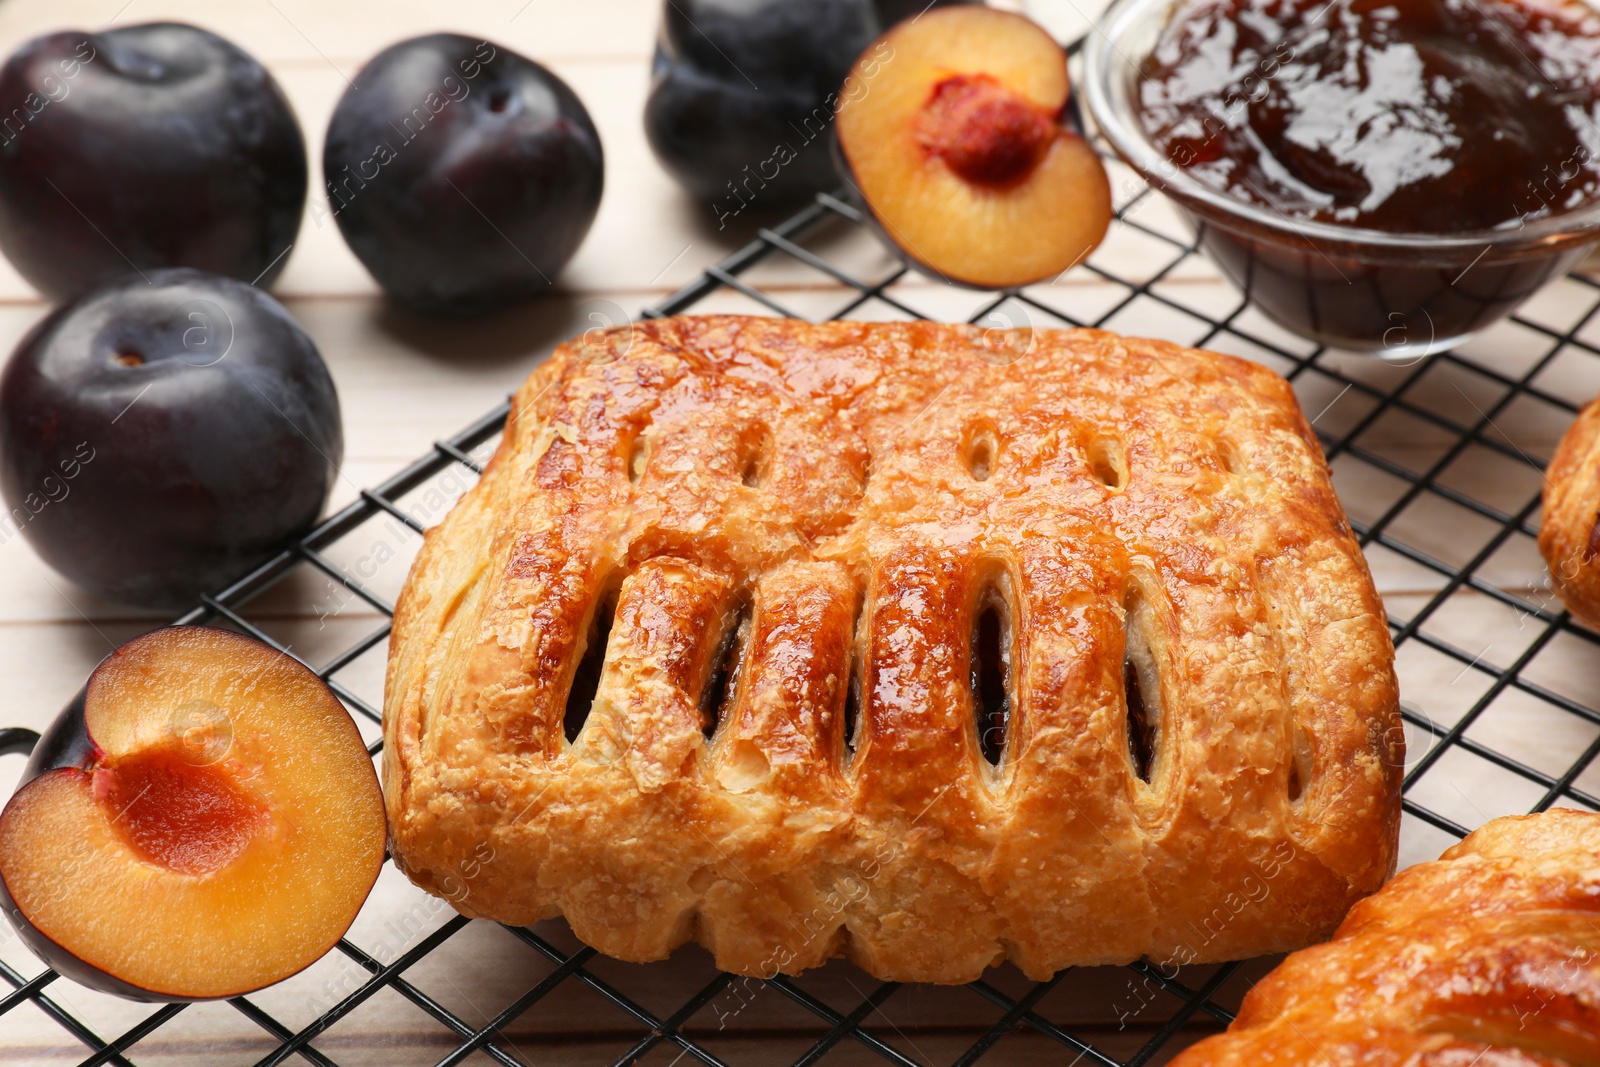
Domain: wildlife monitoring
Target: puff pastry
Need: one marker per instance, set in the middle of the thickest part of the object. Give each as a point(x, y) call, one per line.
point(1569, 531)
point(796, 531)
point(1489, 956)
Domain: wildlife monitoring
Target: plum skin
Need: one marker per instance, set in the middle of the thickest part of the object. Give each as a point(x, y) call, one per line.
point(145, 147)
point(463, 175)
point(741, 95)
point(154, 482)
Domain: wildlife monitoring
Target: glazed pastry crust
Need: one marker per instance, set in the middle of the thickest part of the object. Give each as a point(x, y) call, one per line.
point(1569, 531)
point(849, 497)
point(1489, 956)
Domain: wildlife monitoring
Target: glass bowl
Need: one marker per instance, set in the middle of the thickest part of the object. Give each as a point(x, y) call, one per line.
point(1396, 295)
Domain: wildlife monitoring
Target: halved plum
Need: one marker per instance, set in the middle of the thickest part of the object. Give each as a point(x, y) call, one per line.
point(201, 821)
point(953, 130)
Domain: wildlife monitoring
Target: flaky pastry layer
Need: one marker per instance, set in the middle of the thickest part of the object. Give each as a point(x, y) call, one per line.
point(1488, 957)
point(775, 514)
point(1569, 528)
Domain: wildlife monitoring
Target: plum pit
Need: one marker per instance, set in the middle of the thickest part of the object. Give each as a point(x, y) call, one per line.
point(982, 130)
point(186, 818)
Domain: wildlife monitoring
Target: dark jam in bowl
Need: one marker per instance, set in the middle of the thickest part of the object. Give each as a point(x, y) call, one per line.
point(1411, 116)
point(1416, 118)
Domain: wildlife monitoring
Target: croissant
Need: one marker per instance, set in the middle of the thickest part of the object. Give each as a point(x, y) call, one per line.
point(926, 645)
point(1488, 957)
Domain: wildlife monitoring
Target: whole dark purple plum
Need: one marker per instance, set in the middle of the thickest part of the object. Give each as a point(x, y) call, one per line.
point(151, 146)
point(463, 175)
point(742, 95)
point(158, 438)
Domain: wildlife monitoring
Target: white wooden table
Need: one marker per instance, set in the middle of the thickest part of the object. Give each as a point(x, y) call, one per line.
point(405, 382)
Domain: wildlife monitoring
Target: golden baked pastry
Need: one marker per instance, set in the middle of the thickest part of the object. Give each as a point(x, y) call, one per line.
point(796, 531)
point(1488, 957)
point(1569, 530)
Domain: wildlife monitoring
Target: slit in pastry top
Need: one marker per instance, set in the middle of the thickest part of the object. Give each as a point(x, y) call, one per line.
point(586, 674)
point(992, 671)
point(1141, 685)
point(725, 669)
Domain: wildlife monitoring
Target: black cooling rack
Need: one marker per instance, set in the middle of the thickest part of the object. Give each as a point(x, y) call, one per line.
point(1511, 722)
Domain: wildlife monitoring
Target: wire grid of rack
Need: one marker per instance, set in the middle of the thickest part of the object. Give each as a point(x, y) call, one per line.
point(1541, 386)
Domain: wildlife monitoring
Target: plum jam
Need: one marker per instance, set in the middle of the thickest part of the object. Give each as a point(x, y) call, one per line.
point(1408, 116)
point(1386, 176)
